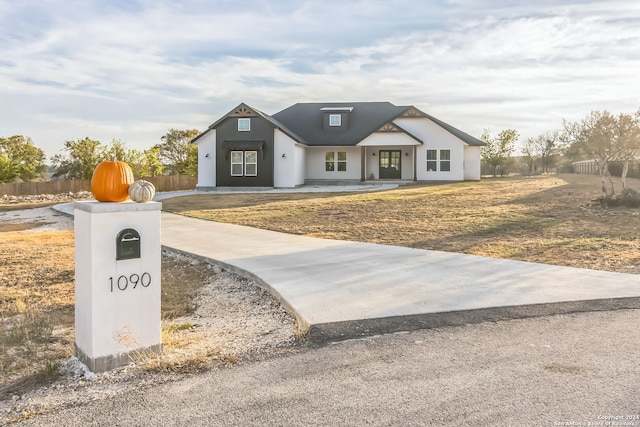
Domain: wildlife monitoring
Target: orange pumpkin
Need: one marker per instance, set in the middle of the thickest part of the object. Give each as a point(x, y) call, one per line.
point(111, 180)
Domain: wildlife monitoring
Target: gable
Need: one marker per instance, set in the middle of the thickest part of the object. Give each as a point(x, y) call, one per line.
point(412, 112)
point(245, 111)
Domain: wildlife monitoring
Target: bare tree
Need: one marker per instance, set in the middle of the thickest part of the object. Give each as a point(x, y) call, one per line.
point(605, 138)
point(628, 138)
point(544, 148)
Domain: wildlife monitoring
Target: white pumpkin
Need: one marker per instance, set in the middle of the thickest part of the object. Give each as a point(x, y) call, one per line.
point(142, 191)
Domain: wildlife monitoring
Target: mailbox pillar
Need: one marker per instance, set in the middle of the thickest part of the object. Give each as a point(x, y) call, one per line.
point(117, 285)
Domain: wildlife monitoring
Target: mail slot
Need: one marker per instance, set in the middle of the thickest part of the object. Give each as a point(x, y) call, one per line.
point(128, 244)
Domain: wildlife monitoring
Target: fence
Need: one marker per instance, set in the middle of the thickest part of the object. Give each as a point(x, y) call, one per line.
point(162, 183)
point(615, 168)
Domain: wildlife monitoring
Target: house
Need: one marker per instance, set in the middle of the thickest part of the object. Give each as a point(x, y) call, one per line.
point(333, 142)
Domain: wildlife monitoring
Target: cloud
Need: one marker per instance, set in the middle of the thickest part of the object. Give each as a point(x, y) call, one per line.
point(132, 70)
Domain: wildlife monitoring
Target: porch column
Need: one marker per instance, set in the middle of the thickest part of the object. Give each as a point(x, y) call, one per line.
point(415, 163)
point(362, 164)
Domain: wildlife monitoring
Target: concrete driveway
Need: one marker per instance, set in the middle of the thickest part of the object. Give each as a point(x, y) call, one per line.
point(342, 289)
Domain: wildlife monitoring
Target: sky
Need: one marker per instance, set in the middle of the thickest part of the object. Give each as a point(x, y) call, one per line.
point(131, 70)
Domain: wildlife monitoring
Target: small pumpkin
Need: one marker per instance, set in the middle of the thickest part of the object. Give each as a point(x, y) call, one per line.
point(142, 191)
point(110, 181)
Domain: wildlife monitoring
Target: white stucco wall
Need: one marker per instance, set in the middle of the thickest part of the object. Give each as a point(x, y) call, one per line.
point(207, 165)
point(112, 315)
point(472, 163)
point(316, 163)
point(383, 139)
point(435, 138)
point(301, 164)
point(288, 171)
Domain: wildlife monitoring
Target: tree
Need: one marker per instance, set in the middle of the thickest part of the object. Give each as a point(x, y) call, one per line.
point(20, 159)
point(628, 138)
point(151, 164)
point(605, 138)
point(544, 148)
point(497, 151)
point(83, 155)
point(177, 153)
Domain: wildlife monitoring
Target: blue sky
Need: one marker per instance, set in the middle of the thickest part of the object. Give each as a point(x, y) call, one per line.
point(131, 70)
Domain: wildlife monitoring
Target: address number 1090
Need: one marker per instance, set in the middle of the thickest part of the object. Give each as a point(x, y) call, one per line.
point(130, 282)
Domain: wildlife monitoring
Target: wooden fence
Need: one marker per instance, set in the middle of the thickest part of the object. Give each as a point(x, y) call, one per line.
point(162, 183)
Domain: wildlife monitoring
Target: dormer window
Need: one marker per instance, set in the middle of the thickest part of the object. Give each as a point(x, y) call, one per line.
point(244, 125)
point(335, 120)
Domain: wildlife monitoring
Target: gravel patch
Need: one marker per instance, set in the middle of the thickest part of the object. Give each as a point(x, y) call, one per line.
point(48, 218)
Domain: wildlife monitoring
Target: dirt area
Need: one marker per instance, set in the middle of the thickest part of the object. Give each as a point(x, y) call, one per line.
point(547, 219)
point(211, 319)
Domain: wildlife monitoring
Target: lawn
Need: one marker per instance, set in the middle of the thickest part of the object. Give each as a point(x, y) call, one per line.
point(547, 219)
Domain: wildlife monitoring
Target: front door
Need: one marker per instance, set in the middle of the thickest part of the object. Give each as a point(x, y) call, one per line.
point(390, 164)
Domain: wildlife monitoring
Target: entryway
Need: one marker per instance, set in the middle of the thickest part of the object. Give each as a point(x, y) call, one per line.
point(390, 167)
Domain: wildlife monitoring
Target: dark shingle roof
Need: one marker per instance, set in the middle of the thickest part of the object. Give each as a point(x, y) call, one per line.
point(303, 122)
point(305, 119)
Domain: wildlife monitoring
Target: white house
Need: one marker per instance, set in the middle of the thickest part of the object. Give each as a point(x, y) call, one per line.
point(333, 142)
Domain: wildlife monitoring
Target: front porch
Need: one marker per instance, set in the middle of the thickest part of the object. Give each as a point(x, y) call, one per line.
point(388, 163)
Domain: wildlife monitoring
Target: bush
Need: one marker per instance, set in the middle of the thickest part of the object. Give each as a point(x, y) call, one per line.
point(628, 198)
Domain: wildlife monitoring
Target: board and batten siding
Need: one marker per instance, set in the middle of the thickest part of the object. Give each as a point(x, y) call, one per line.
point(316, 163)
point(207, 165)
point(435, 138)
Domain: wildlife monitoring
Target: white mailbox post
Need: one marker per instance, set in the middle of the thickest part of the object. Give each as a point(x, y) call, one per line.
point(118, 269)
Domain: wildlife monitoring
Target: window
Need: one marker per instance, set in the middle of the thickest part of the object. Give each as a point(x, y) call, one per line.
point(244, 125)
point(237, 163)
point(335, 120)
point(342, 161)
point(330, 161)
point(432, 160)
point(244, 163)
point(329, 164)
point(445, 160)
point(251, 163)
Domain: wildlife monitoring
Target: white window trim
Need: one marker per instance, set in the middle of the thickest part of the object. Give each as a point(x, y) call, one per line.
point(335, 123)
point(244, 124)
point(440, 160)
point(432, 160)
point(336, 163)
point(237, 163)
point(252, 163)
point(330, 162)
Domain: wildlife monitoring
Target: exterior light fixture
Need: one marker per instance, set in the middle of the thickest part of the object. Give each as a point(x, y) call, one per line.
point(284, 155)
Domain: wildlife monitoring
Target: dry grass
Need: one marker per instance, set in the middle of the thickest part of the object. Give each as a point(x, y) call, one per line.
point(37, 306)
point(545, 219)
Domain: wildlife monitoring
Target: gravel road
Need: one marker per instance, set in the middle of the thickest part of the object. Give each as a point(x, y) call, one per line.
point(550, 371)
